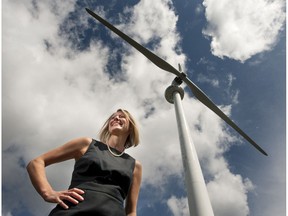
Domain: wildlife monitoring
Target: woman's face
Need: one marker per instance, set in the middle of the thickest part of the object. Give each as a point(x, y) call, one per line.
point(118, 123)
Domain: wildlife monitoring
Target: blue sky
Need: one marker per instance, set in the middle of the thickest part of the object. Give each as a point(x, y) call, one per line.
point(63, 74)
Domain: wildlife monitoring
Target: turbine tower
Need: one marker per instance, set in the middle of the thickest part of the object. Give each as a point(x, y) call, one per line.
point(198, 199)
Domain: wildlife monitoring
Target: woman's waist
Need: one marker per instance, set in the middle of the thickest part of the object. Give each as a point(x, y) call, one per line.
point(112, 190)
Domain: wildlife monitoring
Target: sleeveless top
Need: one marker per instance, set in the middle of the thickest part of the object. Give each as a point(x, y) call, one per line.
point(100, 171)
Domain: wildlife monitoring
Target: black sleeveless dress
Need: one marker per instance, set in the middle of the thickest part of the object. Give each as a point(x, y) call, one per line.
point(106, 180)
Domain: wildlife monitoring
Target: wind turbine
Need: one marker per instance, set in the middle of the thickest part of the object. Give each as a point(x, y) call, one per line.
point(198, 199)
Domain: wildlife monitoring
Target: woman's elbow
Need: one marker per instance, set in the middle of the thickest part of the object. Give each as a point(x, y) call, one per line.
point(33, 163)
point(30, 165)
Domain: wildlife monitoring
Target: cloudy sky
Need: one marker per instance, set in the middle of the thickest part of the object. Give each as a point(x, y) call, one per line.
point(63, 74)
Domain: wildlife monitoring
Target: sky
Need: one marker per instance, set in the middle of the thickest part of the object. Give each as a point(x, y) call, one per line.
point(63, 74)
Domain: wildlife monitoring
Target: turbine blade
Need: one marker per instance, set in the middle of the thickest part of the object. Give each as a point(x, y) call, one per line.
point(198, 93)
point(151, 56)
point(201, 96)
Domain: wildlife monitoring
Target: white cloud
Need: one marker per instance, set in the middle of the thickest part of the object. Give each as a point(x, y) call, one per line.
point(204, 79)
point(240, 29)
point(53, 95)
point(228, 194)
point(144, 27)
point(233, 94)
point(179, 207)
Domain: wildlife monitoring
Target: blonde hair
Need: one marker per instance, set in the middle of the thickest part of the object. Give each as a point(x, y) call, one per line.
point(133, 137)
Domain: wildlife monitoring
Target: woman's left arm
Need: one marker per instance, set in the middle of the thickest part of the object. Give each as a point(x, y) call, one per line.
point(132, 198)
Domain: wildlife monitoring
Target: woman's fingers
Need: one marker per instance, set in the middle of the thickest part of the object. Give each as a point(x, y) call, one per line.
point(73, 196)
point(76, 193)
point(77, 190)
point(63, 205)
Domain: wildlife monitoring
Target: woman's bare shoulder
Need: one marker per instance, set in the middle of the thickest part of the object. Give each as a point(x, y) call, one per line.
point(138, 167)
point(84, 143)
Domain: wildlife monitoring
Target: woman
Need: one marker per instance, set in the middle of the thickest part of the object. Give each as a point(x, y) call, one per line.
point(103, 177)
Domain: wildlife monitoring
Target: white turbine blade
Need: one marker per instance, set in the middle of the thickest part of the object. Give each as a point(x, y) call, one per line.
point(151, 56)
point(198, 93)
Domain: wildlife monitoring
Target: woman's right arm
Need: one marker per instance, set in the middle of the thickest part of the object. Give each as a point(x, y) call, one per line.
point(36, 169)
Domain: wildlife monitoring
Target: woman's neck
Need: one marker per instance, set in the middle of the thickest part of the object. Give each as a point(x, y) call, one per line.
point(117, 142)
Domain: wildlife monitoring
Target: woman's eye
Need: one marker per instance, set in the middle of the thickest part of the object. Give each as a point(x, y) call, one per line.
point(120, 116)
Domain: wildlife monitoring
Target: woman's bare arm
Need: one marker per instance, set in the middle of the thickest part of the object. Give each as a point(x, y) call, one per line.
point(132, 198)
point(36, 169)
